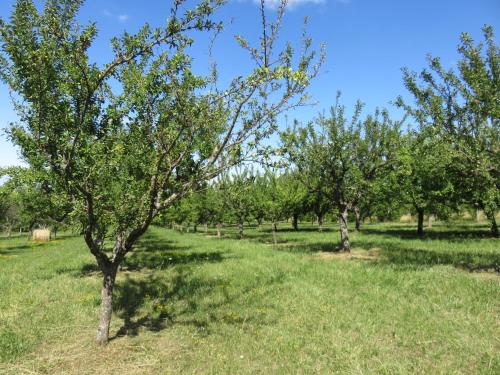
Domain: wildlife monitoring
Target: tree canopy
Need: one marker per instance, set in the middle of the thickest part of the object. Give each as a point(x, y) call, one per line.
point(124, 152)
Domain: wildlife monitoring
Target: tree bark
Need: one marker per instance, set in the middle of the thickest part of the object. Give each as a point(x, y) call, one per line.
point(494, 227)
point(357, 215)
point(205, 227)
point(344, 232)
point(295, 222)
point(490, 214)
point(274, 229)
point(420, 225)
point(30, 231)
point(320, 222)
point(109, 276)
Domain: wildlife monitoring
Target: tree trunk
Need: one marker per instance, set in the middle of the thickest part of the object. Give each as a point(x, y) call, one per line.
point(30, 231)
point(490, 214)
point(320, 222)
point(432, 217)
point(240, 229)
point(494, 227)
point(106, 304)
point(420, 227)
point(295, 222)
point(274, 229)
point(344, 232)
point(205, 227)
point(219, 225)
point(357, 215)
point(478, 215)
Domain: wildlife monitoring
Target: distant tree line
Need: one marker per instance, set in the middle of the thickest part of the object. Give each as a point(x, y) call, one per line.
point(445, 161)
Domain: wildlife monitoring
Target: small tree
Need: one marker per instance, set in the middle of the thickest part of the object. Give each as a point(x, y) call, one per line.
point(318, 200)
point(201, 204)
point(335, 152)
point(294, 195)
point(376, 158)
point(463, 106)
point(273, 200)
point(427, 183)
point(124, 152)
point(216, 203)
point(239, 200)
point(259, 191)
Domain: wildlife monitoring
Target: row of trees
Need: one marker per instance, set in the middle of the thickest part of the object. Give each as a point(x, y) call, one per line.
point(115, 147)
point(346, 166)
point(241, 198)
point(449, 155)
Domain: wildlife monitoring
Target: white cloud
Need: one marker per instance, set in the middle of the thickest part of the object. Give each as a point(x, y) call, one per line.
point(118, 17)
point(291, 3)
point(295, 3)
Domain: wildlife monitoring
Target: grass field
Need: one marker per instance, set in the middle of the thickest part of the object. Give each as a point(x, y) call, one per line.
point(192, 303)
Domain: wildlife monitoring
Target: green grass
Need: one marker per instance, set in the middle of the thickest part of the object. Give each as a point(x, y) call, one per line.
point(192, 303)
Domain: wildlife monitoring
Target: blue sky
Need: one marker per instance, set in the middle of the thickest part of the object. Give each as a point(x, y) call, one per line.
point(367, 42)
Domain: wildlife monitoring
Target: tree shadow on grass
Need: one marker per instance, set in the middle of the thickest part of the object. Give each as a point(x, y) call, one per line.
point(14, 237)
point(398, 255)
point(155, 253)
point(158, 301)
point(154, 301)
point(12, 250)
point(437, 233)
point(142, 303)
point(31, 245)
point(311, 247)
point(395, 254)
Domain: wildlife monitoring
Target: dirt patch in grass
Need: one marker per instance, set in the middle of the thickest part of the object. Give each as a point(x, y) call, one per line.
point(82, 356)
point(357, 254)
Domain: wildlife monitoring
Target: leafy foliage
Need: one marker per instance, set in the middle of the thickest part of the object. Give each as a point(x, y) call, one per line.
point(338, 158)
point(125, 152)
point(462, 107)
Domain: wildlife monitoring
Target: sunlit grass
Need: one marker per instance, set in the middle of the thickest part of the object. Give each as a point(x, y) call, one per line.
point(192, 303)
